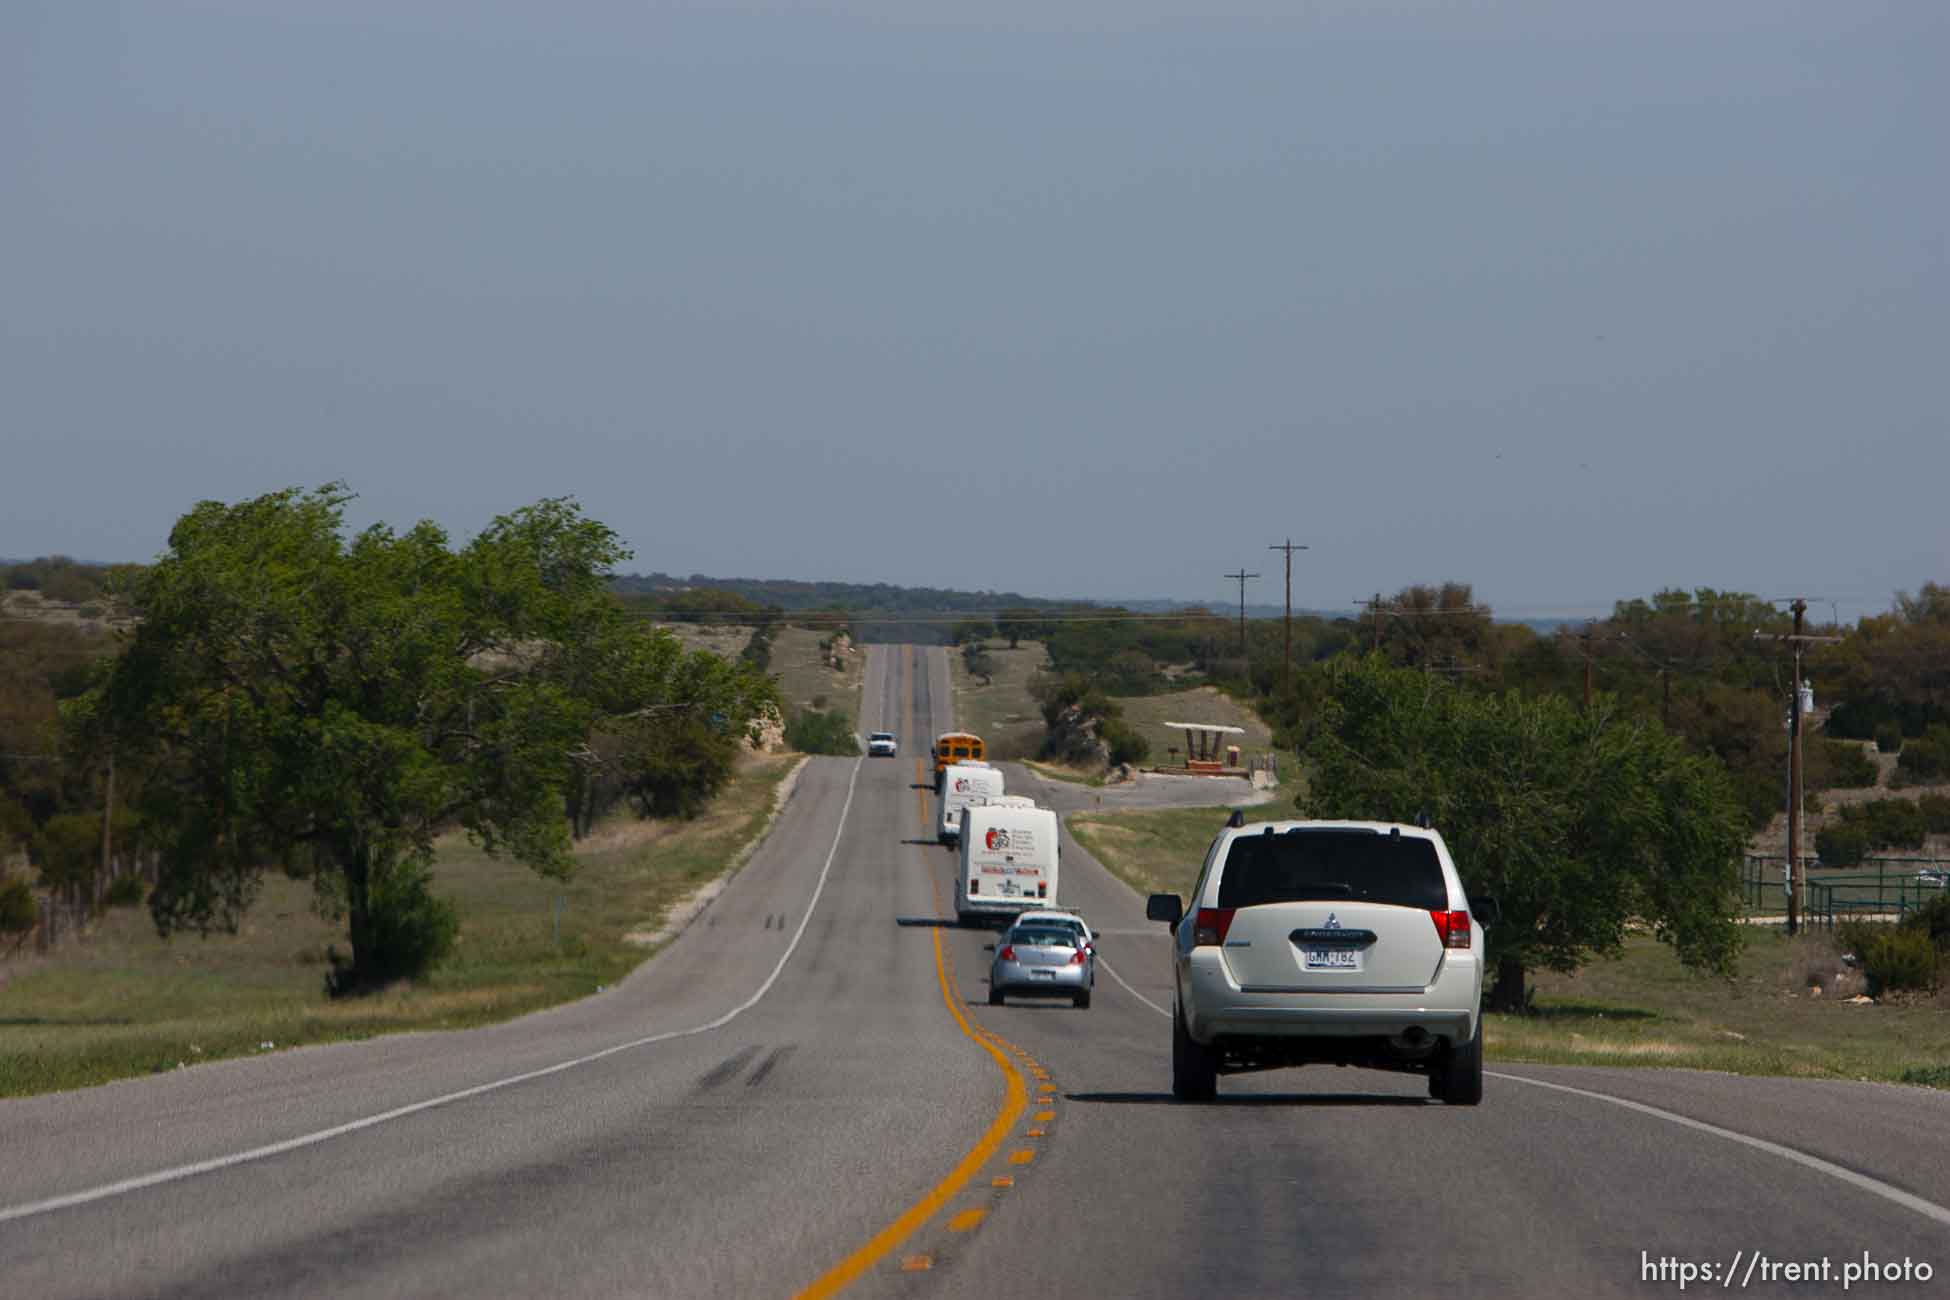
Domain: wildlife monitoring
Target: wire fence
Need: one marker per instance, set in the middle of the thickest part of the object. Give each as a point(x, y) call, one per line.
point(1882, 887)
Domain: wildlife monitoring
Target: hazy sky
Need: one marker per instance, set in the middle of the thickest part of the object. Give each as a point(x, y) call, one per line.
point(1572, 301)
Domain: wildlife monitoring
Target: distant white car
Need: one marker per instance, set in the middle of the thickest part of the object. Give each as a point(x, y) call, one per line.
point(1932, 878)
point(881, 744)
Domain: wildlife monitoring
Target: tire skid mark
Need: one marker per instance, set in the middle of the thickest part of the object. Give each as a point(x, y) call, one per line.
point(772, 1061)
point(724, 1071)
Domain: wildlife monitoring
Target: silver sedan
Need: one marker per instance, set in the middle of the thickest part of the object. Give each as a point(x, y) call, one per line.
point(1045, 961)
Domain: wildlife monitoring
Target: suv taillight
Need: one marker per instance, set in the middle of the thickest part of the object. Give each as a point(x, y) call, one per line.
point(1452, 928)
point(1209, 926)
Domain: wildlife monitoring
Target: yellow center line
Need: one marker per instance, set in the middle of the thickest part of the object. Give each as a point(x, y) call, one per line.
point(1014, 1102)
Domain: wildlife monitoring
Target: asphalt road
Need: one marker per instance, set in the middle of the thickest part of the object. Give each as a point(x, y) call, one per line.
point(806, 1089)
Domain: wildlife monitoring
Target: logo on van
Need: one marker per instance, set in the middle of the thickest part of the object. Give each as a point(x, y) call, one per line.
point(997, 838)
point(961, 785)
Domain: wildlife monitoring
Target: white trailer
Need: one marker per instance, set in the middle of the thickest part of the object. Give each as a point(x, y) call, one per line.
point(1009, 862)
point(961, 782)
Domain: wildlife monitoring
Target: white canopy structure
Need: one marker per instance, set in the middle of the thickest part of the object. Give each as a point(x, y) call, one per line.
point(1202, 741)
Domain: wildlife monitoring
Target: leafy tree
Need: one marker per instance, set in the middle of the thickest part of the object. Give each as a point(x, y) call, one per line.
point(1017, 624)
point(18, 910)
point(1579, 824)
point(971, 630)
point(812, 732)
point(1927, 758)
point(69, 851)
point(296, 696)
point(976, 658)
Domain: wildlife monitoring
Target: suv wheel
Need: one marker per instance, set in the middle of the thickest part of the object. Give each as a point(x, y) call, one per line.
point(1194, 1069)
point(1459, 1082)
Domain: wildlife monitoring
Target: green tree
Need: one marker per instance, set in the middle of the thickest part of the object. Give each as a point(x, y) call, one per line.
point(69, 851)
point(1017, 624)
point(19, 912)
point(1578, 824)
point(976, 658)
point(296, 696)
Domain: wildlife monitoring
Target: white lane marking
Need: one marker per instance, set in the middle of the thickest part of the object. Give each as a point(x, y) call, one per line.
point(1133, 992)
point(1909, 1201)
point(1928, 1209)
point(340, 1130)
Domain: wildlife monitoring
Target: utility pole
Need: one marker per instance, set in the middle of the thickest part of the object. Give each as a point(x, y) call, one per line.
point(1242, 575)
point(1796, 639)
point(1586, 638)
point(108, 820)
point(1286, 664)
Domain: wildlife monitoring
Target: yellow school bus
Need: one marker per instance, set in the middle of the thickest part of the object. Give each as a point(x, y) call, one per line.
point(954, 747)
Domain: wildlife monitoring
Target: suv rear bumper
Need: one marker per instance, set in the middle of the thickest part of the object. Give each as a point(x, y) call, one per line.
point(1331, 1022)
point(1218, 1007)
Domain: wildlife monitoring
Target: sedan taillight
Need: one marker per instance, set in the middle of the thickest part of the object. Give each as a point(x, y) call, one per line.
point(1008, 952)
point(1452, 928)
point(1209, 926)
point(1076, 958)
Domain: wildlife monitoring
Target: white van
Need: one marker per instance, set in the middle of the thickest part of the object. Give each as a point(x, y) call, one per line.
point(1009, 860)
point(961, 782)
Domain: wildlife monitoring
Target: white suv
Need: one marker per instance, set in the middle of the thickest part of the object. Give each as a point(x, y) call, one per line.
point(1350, 943)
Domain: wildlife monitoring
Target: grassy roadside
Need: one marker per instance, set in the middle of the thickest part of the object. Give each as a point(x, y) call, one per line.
point(1642, 1008)
point(807, 678)
point(1002, 713)
point(1149, 713)
point(124, 1002)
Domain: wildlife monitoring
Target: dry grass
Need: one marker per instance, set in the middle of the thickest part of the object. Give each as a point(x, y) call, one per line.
point(1149, 713)
point(123, 1001)
point(726, 642)
point(807, 678)
point(1001, 711)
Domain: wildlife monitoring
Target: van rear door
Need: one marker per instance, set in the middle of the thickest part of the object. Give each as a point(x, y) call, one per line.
point(1332, 911)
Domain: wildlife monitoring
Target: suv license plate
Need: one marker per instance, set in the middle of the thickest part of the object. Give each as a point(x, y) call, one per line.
point(1333, 959)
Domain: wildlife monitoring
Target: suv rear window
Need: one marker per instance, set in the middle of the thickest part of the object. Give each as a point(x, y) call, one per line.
point(1323, 865)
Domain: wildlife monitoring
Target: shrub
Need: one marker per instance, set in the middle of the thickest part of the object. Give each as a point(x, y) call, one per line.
point(1889, 737)
point(1841, 845)
point(813, 732)
point(408, 931)
point(1932, 919)
point(1897, 958)
point(126, 891)
point(18, 908)
point(1867, 827)
point(1936, 813)
point(1126, 743)
point(1848, 767)
point(1927, 758)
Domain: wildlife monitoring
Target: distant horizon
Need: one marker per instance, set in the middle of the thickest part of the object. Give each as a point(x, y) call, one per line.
point(1822, 610)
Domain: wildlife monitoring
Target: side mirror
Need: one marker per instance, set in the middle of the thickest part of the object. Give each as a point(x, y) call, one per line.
point(1488, 911)
point(1168, 908)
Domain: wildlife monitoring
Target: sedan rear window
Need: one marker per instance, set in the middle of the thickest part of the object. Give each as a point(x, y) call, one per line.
point(1324, 865)
point(1044, 938)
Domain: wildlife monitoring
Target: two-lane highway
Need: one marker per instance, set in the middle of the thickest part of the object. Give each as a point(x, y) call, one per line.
point(807, 1089)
